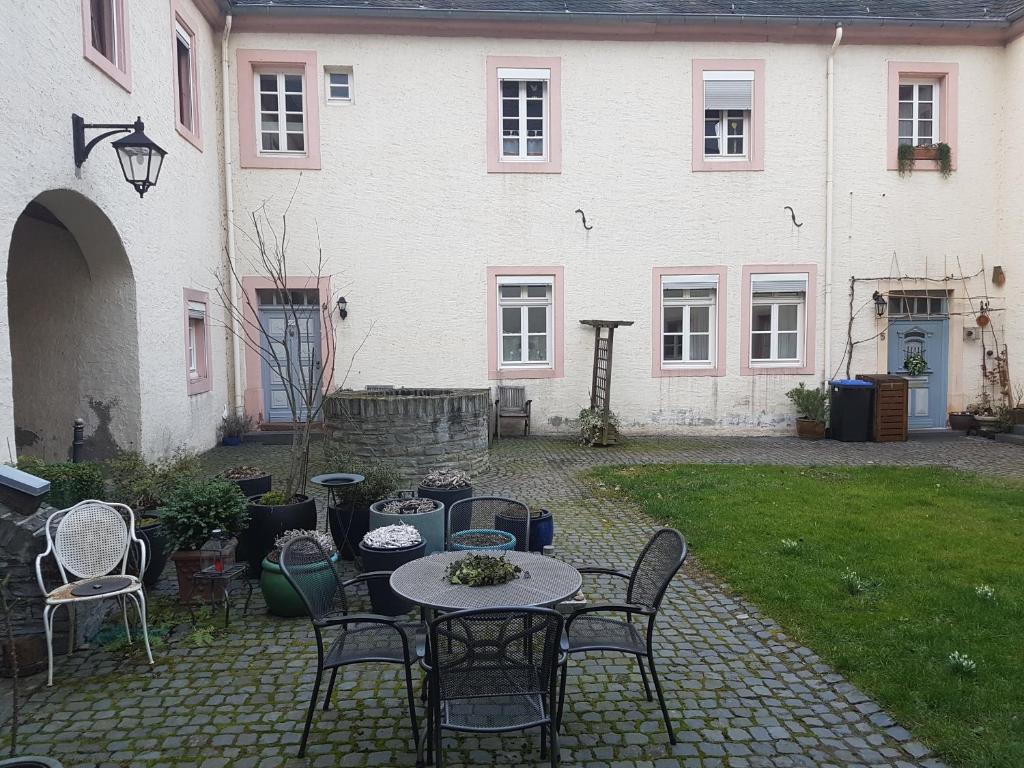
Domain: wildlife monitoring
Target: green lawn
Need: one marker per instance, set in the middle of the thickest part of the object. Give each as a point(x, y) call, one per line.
point(920, 541)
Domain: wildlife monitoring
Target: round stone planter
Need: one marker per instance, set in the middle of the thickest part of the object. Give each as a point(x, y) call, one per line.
point(280, 595)
point(431, 525)
point(267, 522)
point(459, 543)
point(382, 597)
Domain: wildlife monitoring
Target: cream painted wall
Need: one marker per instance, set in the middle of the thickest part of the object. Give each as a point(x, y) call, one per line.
point(173, 238)
point(410, 220)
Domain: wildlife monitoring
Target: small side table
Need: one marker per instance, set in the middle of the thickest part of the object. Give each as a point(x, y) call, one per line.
point(221, 587)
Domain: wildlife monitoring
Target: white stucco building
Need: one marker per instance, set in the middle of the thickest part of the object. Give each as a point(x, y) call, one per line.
point(481, 176)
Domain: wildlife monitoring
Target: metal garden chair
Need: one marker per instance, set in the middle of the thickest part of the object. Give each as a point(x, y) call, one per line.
point(357, 637)
point(493, 671)
point(491, 512)
point(92, 544)
point(511, 404)
point(589, 629)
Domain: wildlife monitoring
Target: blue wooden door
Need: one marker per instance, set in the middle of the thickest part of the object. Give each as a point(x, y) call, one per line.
point(926, 401)
point(292, 344)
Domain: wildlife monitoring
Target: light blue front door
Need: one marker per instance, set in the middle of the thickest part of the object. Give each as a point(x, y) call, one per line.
point(926, 401)
point(291, 343)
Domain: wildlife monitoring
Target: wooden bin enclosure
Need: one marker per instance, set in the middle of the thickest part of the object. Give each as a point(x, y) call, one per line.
point(889, 421)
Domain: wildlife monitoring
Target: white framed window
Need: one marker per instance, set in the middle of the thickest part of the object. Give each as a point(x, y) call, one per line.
point(728, 104)
point(281, 113)
point(338, 85)
point(185, 70)
point(524, 113)
point(777, 311)
point(104, 28)
point(918, 112)
point(689, 309)
point(525, 321)
point(193, 352)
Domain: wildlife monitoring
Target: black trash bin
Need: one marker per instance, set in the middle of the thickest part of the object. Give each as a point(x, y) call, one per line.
point(851, 403)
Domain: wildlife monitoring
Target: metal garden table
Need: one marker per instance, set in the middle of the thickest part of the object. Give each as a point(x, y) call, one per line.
point(544, 582)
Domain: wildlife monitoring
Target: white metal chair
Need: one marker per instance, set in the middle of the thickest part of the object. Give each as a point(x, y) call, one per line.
point(91, 543)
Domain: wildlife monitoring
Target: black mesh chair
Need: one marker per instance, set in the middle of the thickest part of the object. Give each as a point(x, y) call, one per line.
point(493, 671)
point(490, 512)
point(357, 637)
point(592, 629)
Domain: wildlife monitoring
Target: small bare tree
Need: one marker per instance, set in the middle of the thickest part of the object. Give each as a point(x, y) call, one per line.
point(289, 357)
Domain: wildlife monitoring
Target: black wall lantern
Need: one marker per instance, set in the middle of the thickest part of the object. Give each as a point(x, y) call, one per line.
point(139, 156)
point(880, 304)
point(342, 307)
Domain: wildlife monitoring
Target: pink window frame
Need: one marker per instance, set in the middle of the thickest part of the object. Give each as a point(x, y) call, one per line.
point(179, 16)
point(557, 369)
point(719, 368)
point(948, 76)
point(204, 380)
point(810, 320)
point(755, 157)
point(251, 328)
point(554, 162)
point(248, 62)
point(122, 75)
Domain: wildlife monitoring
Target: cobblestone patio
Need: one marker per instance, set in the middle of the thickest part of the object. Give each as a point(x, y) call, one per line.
point(741, 693)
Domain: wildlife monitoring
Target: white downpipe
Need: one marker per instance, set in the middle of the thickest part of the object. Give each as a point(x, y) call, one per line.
point(237, 350)
point(829, 184)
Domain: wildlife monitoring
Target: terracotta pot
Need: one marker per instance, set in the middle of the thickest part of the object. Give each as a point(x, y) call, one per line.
point(188, 562)
point(809, 429)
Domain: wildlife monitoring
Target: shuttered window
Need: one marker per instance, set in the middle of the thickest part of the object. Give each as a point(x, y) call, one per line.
point(688, 320)
point(728, 104)
point(777, 316)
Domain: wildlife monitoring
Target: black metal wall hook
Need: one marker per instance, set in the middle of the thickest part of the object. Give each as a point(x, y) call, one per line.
point(584, 217)
point(792, 215)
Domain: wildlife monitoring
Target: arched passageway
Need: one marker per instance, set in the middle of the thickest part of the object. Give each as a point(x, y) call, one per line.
point(73, 330)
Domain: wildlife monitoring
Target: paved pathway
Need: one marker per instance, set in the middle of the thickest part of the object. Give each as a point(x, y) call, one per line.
point(741, 693)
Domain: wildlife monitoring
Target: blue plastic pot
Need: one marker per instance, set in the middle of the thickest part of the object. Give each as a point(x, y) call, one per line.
point(542, 531)
point(508, 545)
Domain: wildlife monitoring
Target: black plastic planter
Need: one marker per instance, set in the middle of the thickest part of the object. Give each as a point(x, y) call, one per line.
point(446, 496)
point(349, 522)
point(254, 486)
point(266, 523)
point(156, 551)
point(382, 597)
point(29, 762)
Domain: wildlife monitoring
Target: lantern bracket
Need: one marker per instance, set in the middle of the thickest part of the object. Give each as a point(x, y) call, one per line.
point(79, 127)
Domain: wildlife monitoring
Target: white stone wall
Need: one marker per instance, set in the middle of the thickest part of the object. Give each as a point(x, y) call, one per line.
point(173, 238)
point(410, 220)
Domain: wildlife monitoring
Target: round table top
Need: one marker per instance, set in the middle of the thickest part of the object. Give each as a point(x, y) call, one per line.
point(544, 582)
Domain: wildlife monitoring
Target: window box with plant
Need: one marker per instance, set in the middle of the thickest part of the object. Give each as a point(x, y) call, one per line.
point(812, 411)
point(279, 595)
point(426, 515)
point(385, 549)
point(940, 154)
point(192, 513)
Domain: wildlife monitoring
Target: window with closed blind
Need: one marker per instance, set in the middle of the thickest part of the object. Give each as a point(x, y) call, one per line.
point(728, 115)
point(777, 318)
point(688, 320)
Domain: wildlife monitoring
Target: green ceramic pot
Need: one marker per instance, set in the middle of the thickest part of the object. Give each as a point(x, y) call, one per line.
point(280, 596)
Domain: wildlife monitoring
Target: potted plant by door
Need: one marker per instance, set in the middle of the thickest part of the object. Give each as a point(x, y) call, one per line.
point(812, 411)
point(280, 596)
point(385, 549)
point(191, 515)
point(232, 427)
point(253, 481)
point(426, 515)
point(445, 485)
point(270, 515)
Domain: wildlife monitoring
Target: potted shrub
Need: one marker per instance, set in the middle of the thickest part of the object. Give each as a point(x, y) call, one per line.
point(542, 529)
point(270, 515)
point(252, 481)
point(233, 427)
point(426, 515)
point(812, 411)
point(385, 549)
point(280, 596)
point(193, 512)
point(445, 485)
point(482, 539)
point(349, 519)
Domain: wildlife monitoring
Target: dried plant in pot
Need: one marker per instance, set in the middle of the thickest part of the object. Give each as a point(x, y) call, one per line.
point(233, 427)
point(254, 481)
point(279, 594)
point(446, 485)
point(386, 549)
point(426, 515)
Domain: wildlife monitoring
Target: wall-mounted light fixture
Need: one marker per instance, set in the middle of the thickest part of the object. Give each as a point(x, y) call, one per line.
point(880, 304)
point(139, 156)
point(342, 307)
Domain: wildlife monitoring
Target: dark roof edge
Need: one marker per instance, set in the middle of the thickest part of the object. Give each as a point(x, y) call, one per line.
point(429, 14)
